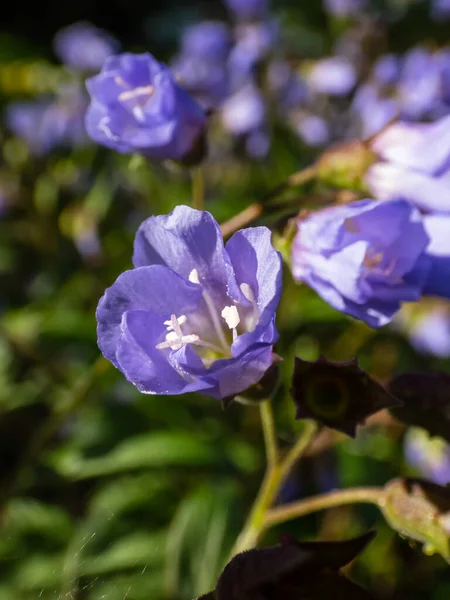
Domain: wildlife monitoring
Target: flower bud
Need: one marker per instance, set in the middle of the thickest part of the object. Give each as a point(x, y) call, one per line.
point(419, 510)
point(345, 165)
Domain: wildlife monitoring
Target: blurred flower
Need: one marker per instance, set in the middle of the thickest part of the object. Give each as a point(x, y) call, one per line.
point(286, 85)
point(430, 333)
point(248, 10)
point(83, 46)
point(193, 315)
point(429, 455)
point(254, 41)
point(210, 40)
point(365, 258)
point(419, 86)
point(386, 70)
point(344, 8)
point(244, 115)
point(334, 76)
point(409, 169)
point(313, 130)
point(48, 123)
point(204, 79)
point(339, 395)
point(137, 107)
point(440, 10)
point(374, 110)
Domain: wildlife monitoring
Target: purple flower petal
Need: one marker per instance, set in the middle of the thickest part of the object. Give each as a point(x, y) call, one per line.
point(154, 288)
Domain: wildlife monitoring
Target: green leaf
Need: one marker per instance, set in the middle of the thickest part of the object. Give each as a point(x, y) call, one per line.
point(155, 450)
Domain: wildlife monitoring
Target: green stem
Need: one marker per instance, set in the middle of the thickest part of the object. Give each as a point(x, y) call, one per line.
point(275, 476)
point(198, 188)
point(256, 209)
point(297, 451)
point(363, 495)
point(270, 440)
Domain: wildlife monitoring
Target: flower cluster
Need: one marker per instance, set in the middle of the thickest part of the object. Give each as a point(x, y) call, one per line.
point(193, 315)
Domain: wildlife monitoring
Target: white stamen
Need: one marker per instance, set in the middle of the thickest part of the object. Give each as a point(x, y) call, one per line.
point(120, 81)
point(231, 316)
point(180, 320)
point(104, 126)
point(248, 293)
point(175, 338)
point(193, 276)
point(146, 90)
point(138, 113)
point(175, 342)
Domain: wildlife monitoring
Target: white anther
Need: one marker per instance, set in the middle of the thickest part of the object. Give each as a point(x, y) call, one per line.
point(193, 276)
point(137, 92)
point(231, 316)
point(248, 292)
point(104, 126)
point(175, 342)
point(181, 320)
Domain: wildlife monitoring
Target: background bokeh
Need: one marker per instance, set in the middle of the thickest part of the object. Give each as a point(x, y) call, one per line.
point(109, 494)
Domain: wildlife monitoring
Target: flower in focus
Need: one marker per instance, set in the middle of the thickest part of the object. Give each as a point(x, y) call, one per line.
point(414, 164)
point(429, 455)
point(365, 258)
point(193, 315)
point(83, 46)
point(339, 395)
point(248, 10)
point(136, 106)
point(49, 123)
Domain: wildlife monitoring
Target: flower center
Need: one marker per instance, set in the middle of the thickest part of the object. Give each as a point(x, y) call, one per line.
point(138, 97)
point(176, 338)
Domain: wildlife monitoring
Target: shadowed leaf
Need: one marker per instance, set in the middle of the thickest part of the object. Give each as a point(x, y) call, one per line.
point(426, 398)
point(339, 395)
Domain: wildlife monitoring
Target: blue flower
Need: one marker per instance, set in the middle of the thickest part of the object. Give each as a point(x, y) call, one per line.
point(83, 46)
point(345, 8)
point(335, 76)
point(440, 10)
point(365, 258)
point(428, 455)
point(414, 164)
point(50, 122)
point(430, 333)
point(207, 39)
point(193, 315)
point(248, 10)
point(137, 107)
